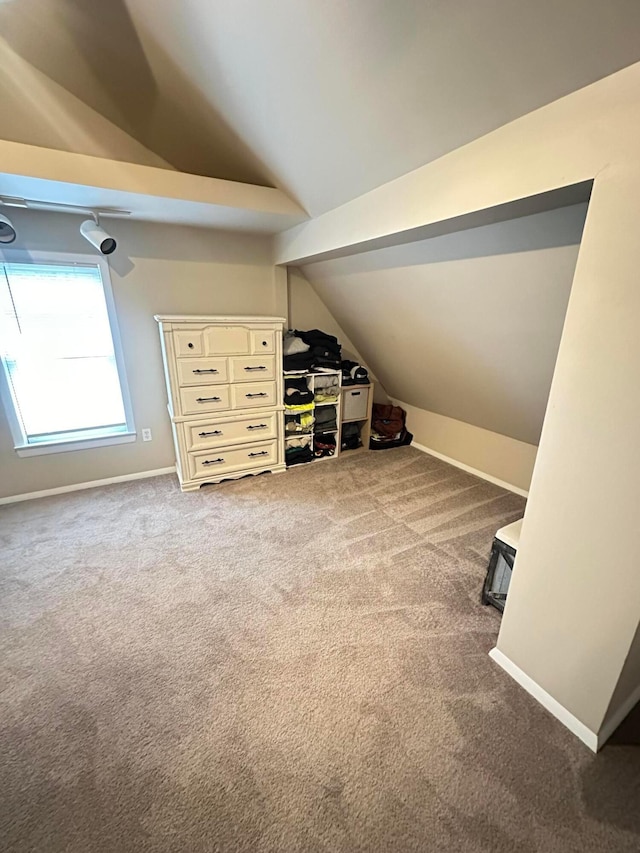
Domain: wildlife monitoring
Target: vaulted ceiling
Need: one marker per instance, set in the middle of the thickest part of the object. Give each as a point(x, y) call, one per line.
point(325, 100)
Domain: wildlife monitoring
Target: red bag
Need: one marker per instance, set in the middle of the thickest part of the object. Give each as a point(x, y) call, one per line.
point(388, 420)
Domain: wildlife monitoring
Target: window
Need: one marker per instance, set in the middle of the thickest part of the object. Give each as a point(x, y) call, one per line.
point(65, 385)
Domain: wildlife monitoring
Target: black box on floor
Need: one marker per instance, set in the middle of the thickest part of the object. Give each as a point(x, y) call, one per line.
point(503, 555)
point(379, 443)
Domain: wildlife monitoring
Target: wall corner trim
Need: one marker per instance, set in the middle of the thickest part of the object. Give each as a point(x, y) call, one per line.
point(76, 487)
point(591, 739)
point(475, 471)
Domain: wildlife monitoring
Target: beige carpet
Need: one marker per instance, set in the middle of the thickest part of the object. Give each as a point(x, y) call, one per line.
point(285, 663)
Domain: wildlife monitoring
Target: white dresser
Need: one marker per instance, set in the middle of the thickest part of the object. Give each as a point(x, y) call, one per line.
point(224, 381)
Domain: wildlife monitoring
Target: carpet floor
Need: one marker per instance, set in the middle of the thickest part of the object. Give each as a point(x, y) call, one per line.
point(282, 664)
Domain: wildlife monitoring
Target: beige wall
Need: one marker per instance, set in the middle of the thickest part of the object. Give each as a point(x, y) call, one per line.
point(308, 311)
point(38, 111)
point(465, 325)
point(497, 455)
point(156, 269)
point(559, 628)
point(629, 681)
point(501, 457)
point(76, 71)
point(584, 492)
point(505, 458)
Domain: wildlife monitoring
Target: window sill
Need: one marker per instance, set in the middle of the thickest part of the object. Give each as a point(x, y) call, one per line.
point(24, 450)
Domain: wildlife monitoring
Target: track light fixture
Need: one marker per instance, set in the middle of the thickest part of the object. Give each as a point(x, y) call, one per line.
point(97, 236)
point(90, 228)
point(8, 232)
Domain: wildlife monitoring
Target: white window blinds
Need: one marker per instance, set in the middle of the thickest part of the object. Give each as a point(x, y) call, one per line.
point(58, 353)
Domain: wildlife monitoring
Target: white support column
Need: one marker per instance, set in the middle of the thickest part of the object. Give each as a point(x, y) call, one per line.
point(574, 602)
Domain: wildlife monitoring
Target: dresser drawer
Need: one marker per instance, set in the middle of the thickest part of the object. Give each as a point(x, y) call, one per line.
point(218, 432)
point(217, 463)
point(263, 341)
point(195, 371)
point(252, 368)
point(253, 395)
point(226, 340)
point(188, 343)
point(204, 398)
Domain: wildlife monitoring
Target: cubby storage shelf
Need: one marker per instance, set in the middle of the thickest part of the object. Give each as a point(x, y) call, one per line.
point(358, 397)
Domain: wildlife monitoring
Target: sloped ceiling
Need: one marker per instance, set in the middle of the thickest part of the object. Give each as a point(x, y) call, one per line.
point(325, 100)
point(466, 325)
point(41, 112)
point(92, 50)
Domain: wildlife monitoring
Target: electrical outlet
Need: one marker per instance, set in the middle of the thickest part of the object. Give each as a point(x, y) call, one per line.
point(146, 435)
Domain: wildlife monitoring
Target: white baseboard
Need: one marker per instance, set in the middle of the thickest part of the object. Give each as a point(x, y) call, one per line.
point(76, 487)
point(611, 725)
point(574, 725)
point(484, 476)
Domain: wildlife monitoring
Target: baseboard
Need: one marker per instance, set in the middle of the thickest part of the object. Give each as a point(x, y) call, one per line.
point(567, 719)
point(76, 487)
point(482, 474)
point(611, 725)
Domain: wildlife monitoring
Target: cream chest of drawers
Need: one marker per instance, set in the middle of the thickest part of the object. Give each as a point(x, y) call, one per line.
point(224, 382)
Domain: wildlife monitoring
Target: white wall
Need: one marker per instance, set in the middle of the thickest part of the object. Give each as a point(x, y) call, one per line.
point(307, 311)
point(559, 628)
point(463, 331)
point(574, 606)
point(506, 459)
point(38, 111)
point(466, 325)
point(156, 269)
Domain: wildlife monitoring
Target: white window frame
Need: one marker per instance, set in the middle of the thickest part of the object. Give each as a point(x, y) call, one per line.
point(22, 448)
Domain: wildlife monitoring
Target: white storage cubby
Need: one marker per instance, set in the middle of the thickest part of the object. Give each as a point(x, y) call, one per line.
point(353, 406)
point(357, 402)
point(311, 380)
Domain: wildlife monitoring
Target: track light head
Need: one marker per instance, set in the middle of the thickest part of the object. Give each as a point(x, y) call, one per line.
point(8, 232)
point(98, 237)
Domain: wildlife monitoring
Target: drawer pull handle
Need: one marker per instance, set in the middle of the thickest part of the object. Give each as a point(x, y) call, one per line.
point(215, 432)
point(261, 367)
point(262, 453)
point(212, 461)
point(261, 394)
point(190, 345)
point(355, 393)
point(207, 399)
point(210, 370)
point(257, 426)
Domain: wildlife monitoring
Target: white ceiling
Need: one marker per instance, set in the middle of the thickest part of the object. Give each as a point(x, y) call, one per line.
point(339, 96)
point(325, 100)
